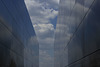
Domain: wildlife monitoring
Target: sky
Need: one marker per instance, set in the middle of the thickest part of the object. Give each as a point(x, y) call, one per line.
point(43, 14)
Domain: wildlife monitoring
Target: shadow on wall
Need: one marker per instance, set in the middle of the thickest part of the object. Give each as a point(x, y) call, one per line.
point(9, 48)
point(12, 63)
point(5, 43)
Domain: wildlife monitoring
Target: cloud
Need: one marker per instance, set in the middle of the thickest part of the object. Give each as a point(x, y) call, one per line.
point(44, 29)
point(41, 12)
point(45, 34)
point(45, 59)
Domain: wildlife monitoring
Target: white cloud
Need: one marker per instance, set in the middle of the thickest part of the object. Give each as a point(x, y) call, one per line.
point(43, 28)
point(56, 1)
point(41, 12)
point(45, 59)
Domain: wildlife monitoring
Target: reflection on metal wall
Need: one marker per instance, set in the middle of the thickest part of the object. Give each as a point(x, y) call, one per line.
point(77, 37)
point(18, 42)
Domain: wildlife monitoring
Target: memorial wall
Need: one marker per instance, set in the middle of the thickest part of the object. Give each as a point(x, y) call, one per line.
point(18, 42)
point(77, 36)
